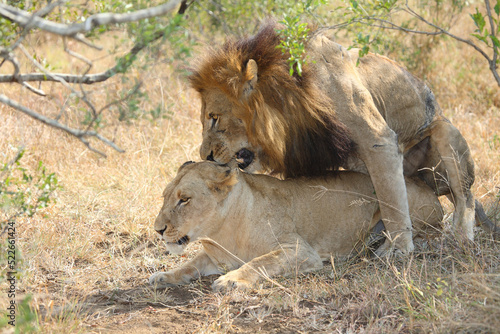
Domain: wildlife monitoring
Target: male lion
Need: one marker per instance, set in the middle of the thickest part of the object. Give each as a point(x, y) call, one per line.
point(365, 114)
point(257, 223)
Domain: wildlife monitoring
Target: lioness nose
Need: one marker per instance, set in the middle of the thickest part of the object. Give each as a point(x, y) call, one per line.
point(210, 157)
point(161, 231)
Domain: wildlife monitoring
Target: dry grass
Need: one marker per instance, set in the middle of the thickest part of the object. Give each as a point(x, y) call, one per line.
point(87, 257)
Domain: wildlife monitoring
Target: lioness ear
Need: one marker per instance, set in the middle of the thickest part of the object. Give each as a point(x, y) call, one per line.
point(223, 181)
point(250, 78)
point(184, 165)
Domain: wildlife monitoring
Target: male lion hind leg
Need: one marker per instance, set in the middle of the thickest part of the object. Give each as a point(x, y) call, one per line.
point(458, 169)
point(200, 265)
point(289, 259)
point(485, 222)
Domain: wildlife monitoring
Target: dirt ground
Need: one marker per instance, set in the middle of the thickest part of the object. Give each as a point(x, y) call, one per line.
point(187, 309)
point(182, 314)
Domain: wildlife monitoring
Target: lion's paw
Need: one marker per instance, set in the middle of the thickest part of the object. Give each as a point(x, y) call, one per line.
point(397, 249)
point(229, 282)
point(162, 280)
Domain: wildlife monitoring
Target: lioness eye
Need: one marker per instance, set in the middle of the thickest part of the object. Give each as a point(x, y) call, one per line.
point(184, 200)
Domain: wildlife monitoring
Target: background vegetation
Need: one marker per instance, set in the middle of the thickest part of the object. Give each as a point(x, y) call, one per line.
point(84, 257)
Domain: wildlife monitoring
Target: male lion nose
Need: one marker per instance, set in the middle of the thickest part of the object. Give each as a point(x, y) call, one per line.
point(210, 157)
point(161, 231)
point(244, 157)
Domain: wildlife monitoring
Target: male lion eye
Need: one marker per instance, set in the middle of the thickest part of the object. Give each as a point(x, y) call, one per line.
point(215, 119)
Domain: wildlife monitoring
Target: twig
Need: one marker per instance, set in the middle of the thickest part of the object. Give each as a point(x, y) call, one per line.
point(6, 168)
point(81, 135)
point(8, 56)
point(176, 307)
point(40, 13)
point(134, 90)
point(393, 26)
point(26, 19)
point(386, 24)
point(45, 72)
point(33, 89)
point(493, 62)
point(80, 38)
point(87, 79)
point(446, 32)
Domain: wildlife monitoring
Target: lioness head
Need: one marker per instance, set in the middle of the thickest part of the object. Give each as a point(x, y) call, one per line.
point(192, 202)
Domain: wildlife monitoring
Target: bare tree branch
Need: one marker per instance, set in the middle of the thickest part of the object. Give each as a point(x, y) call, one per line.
point(81, 135)
point(36, 20)
point(133, 91)
point(460, 39)
point(27, 20)
point(493, 62)
point(393, 26)
point(387, 24)
point(87, 79)
point(184, 6)
point(33, 89)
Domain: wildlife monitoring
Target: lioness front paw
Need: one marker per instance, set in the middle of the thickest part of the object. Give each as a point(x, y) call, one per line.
point(163, 280)
point(230, 282)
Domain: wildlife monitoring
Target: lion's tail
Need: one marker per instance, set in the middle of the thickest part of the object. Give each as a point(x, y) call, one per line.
point(485, 222)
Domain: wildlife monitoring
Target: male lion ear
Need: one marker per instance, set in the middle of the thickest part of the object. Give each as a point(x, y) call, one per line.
point(223, 181)
point(250, 78)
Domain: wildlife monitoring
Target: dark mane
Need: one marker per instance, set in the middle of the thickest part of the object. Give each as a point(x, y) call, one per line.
point(287, 116)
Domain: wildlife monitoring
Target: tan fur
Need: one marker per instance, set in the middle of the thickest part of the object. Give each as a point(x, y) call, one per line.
point(367, 116)
point(260, 223)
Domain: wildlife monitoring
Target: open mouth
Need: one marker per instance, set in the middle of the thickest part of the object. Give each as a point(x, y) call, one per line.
point(244, 157)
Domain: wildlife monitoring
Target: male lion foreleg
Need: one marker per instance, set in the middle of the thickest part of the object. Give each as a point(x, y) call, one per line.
point(287, 260)
point(385, 165)
point(200, 265)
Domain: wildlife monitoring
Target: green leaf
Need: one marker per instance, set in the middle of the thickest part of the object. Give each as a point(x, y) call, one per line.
point(497, 7)
point(479, 20)
point(481, 38)
point(495, 40)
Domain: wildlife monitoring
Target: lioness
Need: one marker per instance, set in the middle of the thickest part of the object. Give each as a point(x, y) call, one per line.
point(260, 223)
point(343, 111)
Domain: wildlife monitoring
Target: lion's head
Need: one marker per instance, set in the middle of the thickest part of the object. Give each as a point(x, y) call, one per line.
point(224, 136)
point(192, 203)
point(252, 109)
